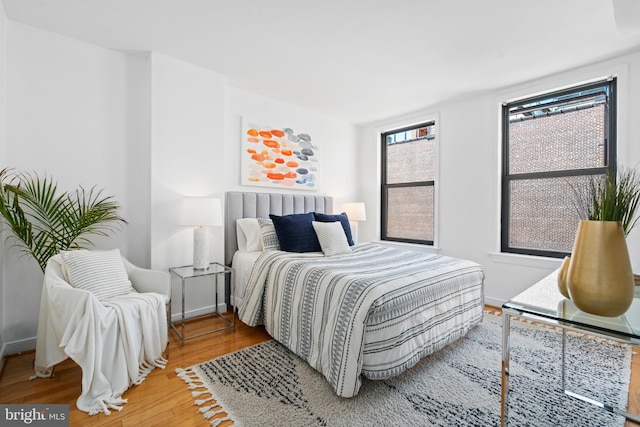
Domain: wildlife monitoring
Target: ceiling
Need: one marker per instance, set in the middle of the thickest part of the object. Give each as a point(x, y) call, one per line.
point(359, 60)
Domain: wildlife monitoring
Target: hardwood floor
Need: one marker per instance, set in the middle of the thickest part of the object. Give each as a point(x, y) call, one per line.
point(162, 399)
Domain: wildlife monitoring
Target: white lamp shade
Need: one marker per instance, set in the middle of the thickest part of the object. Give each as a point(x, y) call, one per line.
point(201, 212)
point(355, 211)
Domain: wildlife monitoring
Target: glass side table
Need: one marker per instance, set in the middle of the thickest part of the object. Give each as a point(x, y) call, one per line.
point(215, 270)
point(543, 303)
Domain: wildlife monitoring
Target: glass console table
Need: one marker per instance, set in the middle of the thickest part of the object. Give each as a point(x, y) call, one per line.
point(543, 303)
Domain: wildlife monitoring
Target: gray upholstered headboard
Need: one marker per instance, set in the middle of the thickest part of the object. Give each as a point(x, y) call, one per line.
point(260, 205)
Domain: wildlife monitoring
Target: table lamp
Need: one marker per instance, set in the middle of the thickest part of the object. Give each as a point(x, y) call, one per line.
point(201, 212)
point(356, 212)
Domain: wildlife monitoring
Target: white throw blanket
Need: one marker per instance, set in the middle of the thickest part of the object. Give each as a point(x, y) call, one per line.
point(116, 342)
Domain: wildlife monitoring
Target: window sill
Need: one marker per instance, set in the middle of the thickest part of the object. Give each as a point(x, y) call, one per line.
point(410, 246)
point(526, 260)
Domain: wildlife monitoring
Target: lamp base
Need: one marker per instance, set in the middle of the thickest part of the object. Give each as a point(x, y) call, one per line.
point(200, 248)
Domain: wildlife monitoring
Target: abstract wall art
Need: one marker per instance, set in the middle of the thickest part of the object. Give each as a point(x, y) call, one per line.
point(278, 157)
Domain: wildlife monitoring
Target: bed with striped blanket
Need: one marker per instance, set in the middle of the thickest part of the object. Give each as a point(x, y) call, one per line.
point(373, 312)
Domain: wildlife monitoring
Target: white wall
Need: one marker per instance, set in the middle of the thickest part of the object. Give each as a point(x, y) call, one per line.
point(3, 142)
point(137, 200)
point(70, 115)
point(187, 152)
point(187, 157)
point(469, 173)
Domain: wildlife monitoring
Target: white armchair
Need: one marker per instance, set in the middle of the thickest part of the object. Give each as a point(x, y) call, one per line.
point(145, 280)
point(82, 314)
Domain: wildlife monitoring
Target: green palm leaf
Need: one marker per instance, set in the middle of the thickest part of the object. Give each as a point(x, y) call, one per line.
point(45, 221)
point(612, 198)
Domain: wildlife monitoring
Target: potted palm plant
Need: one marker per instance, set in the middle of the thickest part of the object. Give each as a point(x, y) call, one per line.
point(599, 278)
point(45, 221)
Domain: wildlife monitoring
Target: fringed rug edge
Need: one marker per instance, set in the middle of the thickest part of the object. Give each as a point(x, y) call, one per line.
point(193, 377)
point(212, 408)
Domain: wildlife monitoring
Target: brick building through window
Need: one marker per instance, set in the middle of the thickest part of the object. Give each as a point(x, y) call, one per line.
point(552, 145)
point(408, 184)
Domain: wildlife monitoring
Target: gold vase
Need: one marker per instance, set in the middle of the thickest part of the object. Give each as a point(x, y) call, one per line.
point(562, 277)
point(599, 279)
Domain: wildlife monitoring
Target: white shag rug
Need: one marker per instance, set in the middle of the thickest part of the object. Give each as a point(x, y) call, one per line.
point(267, 385)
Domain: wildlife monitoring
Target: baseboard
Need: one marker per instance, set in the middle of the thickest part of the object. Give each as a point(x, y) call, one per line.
point(3, 359)
point(495, 302)
point(15, 347)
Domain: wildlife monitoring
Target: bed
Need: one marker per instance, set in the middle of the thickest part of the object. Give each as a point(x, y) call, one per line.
point(370, 310)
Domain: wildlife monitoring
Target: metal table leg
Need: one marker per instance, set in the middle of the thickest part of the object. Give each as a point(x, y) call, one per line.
point(635, 418)
point(506, 322)
point(506, 325)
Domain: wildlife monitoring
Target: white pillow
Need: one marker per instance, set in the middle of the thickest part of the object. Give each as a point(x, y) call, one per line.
point(270, 240)
point(332, 238)
point(100, 272)
point(249, 235)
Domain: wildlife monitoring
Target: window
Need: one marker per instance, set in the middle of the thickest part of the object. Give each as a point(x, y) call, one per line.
point(408, 178)
point(552, 145)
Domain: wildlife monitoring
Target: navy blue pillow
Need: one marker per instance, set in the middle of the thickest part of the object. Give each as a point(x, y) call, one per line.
point(344, 220)
point(295, 232)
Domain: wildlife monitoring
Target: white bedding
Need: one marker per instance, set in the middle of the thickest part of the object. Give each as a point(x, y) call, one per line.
point(376, 311)
point(242, 264)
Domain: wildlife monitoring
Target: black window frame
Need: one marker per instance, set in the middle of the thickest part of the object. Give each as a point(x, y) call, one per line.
point(610, 158)
point(384, 198)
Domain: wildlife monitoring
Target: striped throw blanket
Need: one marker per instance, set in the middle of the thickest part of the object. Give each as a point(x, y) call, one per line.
point(378, 306)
